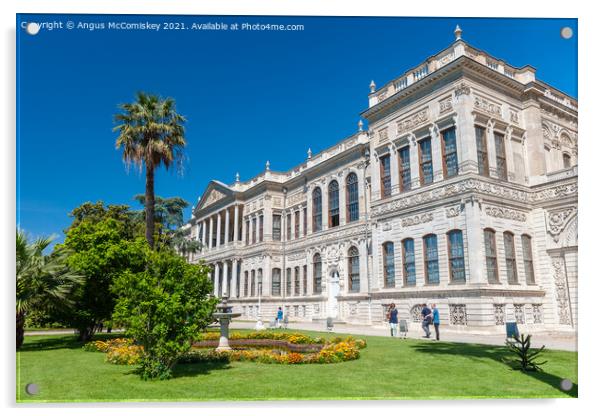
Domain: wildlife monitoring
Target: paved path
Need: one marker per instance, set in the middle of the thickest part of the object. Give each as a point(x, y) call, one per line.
point(551, 341)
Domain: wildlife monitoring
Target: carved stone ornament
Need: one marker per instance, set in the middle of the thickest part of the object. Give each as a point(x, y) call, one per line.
point(508, 214)
point(558, 220)
point(462, 89)
point(454, 211)
point(417, 219)
point(213, 197)
point(445, 105)
point(484, 105)
point(413, 121)
point(562, 298)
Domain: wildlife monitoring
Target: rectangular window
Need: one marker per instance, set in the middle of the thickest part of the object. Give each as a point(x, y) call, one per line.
point(510, 258)
point(297, 218)
point(385, 176)
point(317, 274)
point(276, 227)
point(252, 283)
point(482, 157)
point(389, 264)
point(354, 271)
point(450, 152)
point(405, 174)
point(409, 262)
point(491, 256)
point(288, 281)
point(247, 231)
point(289, 227)
point(297, 282)
point(275, 282)
point(528, 259)
point(304, 222)
point(431, 259)
point(246, 289)
point(260, 228)
point(500, 156)
point(455, 244)
point(254, 231)
point(426, 161)
point(305, 280)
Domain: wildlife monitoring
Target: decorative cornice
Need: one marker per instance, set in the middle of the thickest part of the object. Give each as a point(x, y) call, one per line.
point(506, 213)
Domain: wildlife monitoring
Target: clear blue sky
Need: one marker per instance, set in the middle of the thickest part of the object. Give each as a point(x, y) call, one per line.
point(248, 96)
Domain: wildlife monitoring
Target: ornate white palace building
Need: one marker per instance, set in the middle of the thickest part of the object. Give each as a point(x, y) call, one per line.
point(462, 192)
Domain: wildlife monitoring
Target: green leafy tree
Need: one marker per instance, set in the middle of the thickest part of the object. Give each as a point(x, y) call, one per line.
point(151, 134)
point(102, 242)
point(44, 282)
point(165, 308)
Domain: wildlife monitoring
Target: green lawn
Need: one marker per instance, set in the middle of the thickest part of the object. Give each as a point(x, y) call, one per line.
point(387, 369)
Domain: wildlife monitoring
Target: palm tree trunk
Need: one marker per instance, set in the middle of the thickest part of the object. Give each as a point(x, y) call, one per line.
point(150, 204)
point(20, 329)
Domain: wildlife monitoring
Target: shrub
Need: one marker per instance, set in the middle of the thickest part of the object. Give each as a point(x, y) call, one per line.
point(105, 346)
point(164, 308)
point(125, 355)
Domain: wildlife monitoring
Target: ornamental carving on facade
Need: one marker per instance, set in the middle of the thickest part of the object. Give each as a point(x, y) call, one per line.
point(513, 116)
point(295, 198)
point(505, 213)
point(519, 313)
point(457, 314)
point(417, 219)
point(213, 197)
point(415, 313)
point(413, 121)
point(277, 202)
point(499, 313)
point(537, 314)
point(488, 107)
point(454, 211)
point(562, 297)
point(445, 105)
point(462, 89)
point(558, 220)
point(383, 135)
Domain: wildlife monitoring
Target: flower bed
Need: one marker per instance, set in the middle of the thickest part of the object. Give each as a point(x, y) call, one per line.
point(263, 347)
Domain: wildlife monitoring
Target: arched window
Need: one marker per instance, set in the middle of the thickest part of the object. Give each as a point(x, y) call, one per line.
point(288, 281)
point(333, 204)
point(528, 259)
point(511, 273)
point(566, 160)
point(353, 212)
point(354, 269)
point(431, 259)
point(317, 273)
point(491, 256)
point(252, 283)
point(455, 246)
point(317, 210)
point(409, 262)
point(389, 264)
point(276, 282)
point(297, 282)
point(259, 281)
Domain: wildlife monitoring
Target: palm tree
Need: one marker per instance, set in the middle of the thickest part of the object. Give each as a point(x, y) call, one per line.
point(151, 133)
point(44, 282)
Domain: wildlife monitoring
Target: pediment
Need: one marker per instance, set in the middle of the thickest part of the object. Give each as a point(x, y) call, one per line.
point(214, 193)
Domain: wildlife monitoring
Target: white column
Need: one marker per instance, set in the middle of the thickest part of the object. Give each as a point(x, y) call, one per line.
point(225, 279)
point(236, 208)
point(363, 267)
point(216, 279)
point(301, 221)
point(510, 155)
point(203, 233)
point(244, 230)
point(310, 274)
point(219, 229)
point(227, 226)
point(235, 263)
point(211, 232)
point(325, 208)
point(414, 164)
point(394, 166)
point(491, 153)
point(266, 277)
point(475, 258)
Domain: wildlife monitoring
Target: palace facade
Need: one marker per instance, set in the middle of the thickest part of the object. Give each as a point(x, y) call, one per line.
point(462, 192)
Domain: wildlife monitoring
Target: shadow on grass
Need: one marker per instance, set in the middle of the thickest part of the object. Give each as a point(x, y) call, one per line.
point(196, 369)
point(57, 342)
point(493, 353)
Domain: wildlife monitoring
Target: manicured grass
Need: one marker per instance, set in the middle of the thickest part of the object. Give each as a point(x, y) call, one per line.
point(387, 369)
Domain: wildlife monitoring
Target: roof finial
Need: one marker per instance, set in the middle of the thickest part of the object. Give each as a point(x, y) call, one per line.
point(237, 177)
point(372, 86)
point(458, 32)
point(309, 153)
point(360, 125)
point(267, 166)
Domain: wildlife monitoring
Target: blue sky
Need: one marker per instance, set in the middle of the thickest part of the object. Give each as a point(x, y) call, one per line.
point(248, 96)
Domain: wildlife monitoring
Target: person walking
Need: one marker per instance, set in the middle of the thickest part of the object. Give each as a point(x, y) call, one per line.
point(279, 316)
point(393, 319)
point(436, 321)
point(426, 320)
